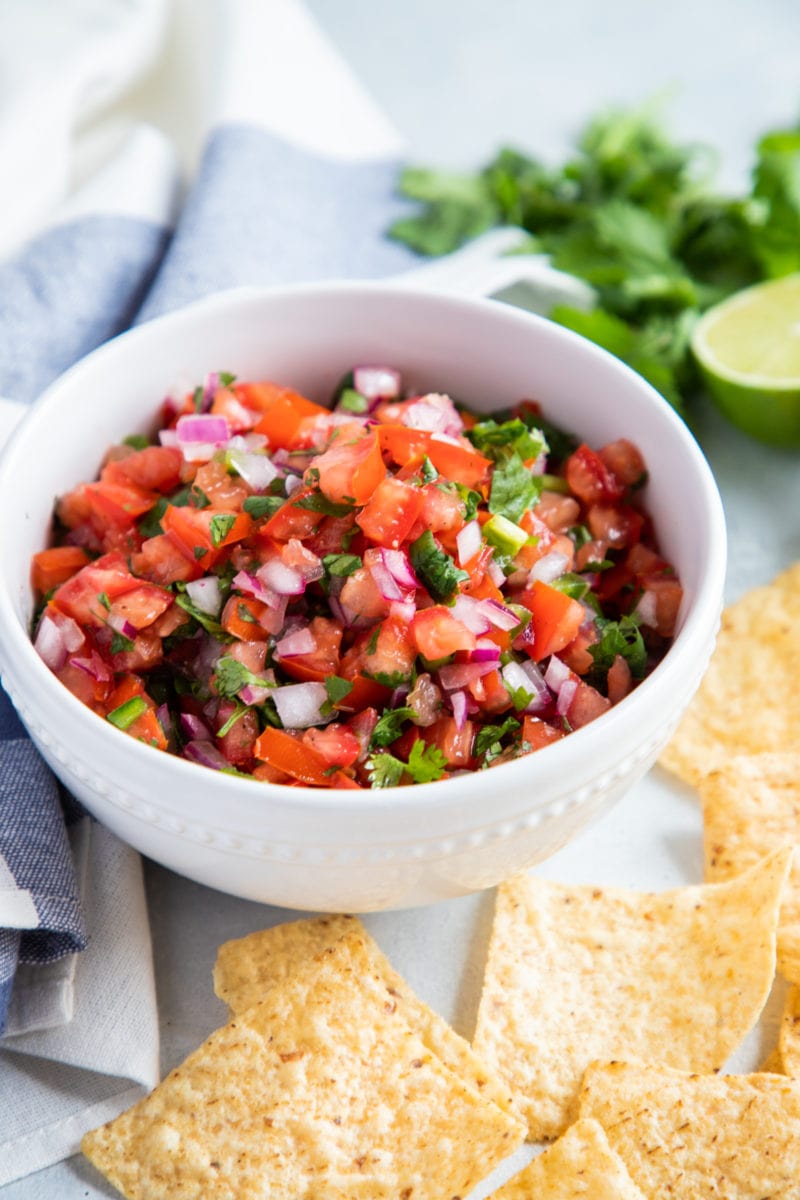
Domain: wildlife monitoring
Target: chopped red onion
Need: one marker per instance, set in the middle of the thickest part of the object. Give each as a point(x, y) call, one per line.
point(485, 651)
point(377, 383)
point(434, 413)
point(515, 677)
point(647, 609)
point(299, 641)
point(385, 582)
point(300, 558)
point(499, 616)
point(248, 442)
point(168, 437)
point(548, 567)
point(202, 427)
point(50, 643)
point(164, 717)
point(293, 484)
point(299, 705)
point(272, 618)
point(403, 610)
point(557, 674)
point(206, 594)
point(251, 693)
point(455, 676)
point(469, 612)
point(94, 667)
point(286, 581)
point(459, 702)
point(565, 696)
point(251, 585)
point(468, 542)
point(257, 470)
point(193, 727)
point(496, 573)
point(204, 752)
point(122, 626)
point(399, 566)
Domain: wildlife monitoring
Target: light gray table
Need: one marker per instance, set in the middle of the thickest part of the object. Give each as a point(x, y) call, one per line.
point(459, 77)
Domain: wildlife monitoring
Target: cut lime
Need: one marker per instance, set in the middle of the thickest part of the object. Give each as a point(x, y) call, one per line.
point(748, 350)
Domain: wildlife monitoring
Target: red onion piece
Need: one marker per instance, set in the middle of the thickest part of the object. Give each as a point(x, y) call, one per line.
point(557, 674)
point(251, 585)
point(299, 641)
point(459, 702)
point(202, 427)
point(50, 643)
point(454, 676)
point(468, 542)
point(377, 383)
point(647, 609)
point(468, 611)
point(205, 753)
point(255, 469)
point(93, 666)
point(498, 615)
point(210, 390)
point(283, 580)
point(251, 693)
point(402, 610)
point(496, 573)
point(164, 717)
point(398, 564)
point(193, 727)
point(168, 437)
point(122, 626)
point(548, 567)
point(299, 704)
point(206, 594)
point(273, 617)
point(565, 696)
point(434, 413)
point(485, 651)
point(515, 677)
point(385, 582)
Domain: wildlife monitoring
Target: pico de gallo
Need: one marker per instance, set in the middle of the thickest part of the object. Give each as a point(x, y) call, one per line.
point(392, 590)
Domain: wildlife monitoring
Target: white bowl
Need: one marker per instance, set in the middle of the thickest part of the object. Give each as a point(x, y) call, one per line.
point(349, 850)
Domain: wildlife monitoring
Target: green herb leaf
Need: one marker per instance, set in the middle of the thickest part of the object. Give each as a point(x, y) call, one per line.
point(317, 502)
point(225, 378)
point(514, 490)
point(150, 524)
point(138, 440)
point(490, 735)
point(338, 689)
point(520, 697)
point(339, 566)
point(198, 498)
point(220, 527)
point(230, 676)
point(262, 506)
point(352, 401)
point(384, 770)
point(120, 644)
point(390, 725)
point(425, 764)
point(617, 637)
point(492, 439)
point(104, 600)
point(434, 568)
point(238, 712)
point(210, 624)
point(198, 396)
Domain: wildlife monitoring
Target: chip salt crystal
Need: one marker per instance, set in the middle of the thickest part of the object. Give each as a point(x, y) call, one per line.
point(579, 973)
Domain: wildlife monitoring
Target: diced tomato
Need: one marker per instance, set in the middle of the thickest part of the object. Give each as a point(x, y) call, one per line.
point(204, 532)
point(153, 469)
point(668, 595)
point(362, 725)
point(557, 511)
point(55, 565)
point(337, 744)
point(538, 733)
point(360, 596)
point(350, 471)
point(281, 410)
point(162, 561)
point(117, 503)
point(142, 605)
point(576, 653)
point(587, 704)
point(495, 693)
point(455, 458)
point(227, 404)
point(619, 680)
point(80, 596)
point(390, 512)
point(225, 492)
point(238, 742)
point(242, 617)
point(291, 519)
point(146, 652)
point(590, 479)
point(593, 551)
point(617, 524)
point(438, 634)
point(442, 512)
point(321, 662)
point(555, 619)
point(296, 758)
point(624, 460)
point(455, 744)
point(332, 534)
point(393, 652)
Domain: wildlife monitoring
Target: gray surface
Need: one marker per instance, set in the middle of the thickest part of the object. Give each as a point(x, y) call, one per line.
point(458, 77)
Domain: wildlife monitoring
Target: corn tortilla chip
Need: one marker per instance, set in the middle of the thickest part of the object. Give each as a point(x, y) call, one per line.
point(580, 973)
point(789, 1038)
point(320, 1090)
point(749, 700)
point(751, 806)
point(694, 1137)
point(581, 1163)
point(247, 967)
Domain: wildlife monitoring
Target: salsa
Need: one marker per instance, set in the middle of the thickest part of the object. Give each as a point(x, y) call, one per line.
point(392, 590)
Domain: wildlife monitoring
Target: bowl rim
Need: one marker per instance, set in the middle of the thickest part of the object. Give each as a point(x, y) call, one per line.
point(668, 678)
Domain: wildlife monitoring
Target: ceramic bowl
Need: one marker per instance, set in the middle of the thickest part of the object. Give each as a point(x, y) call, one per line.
point(355, 850)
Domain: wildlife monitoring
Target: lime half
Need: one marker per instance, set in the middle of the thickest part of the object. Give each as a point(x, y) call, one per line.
point(748, 350)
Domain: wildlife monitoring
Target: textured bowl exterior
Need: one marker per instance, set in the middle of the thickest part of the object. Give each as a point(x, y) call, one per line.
point(330, 850)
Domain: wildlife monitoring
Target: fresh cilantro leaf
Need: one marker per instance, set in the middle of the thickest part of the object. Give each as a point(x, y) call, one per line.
point(225, 378)
point(470, 499)
point(384, 770)
point(208, 623)
point(338, 566)
point(262, 506)
point(426, 763)
point(150, 524)
point(389, 679)
point(514, 489)
point(337, 689)
point(372, 644)
point(137, 440)
point(580, 535)
point(200, 552)
point(220, 527)
point(428, 471)
point(488, 735)
point(617, 637)
point(520, 697)
point(434, 568)
point(230, 676)
point(198, 398)
point(104, 600)
point(238, 712)
point(490, 437)
point(317, 502)
point(352, 401)
point(198, 498)
point(390, 725)
point(120, 644)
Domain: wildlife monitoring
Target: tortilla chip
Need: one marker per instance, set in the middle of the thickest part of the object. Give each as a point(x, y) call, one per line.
point(789, 1038)
point(749, 699)
point(751, 806)
point(581, 1163)
point(321, 1089)
point(247, 967)
point(730, 1137)
point(580, 973)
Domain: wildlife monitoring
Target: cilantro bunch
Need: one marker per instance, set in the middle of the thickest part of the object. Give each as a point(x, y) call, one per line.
point(635, 215)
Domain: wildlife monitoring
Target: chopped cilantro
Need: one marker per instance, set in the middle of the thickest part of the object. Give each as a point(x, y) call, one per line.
point(225, 378)
point(125, 714)
point(262, 506)
point(245, 614)
point(230, 676)
point(435, 568)
point(490, 735)
point(389, 679)
point(208, 623)
point(372, 644)
point(150, 524)
point(390, 725)
point(198, 397)
point(137, 440)
point(319, 503)
point(104, 600)
point(338, 566)
point(220, 527)
point(580, 535)
point(200, 552)
point(120, 644)
point(337, 689)
point(198, 498)
point(617, 637)
point(352, 401)
point(428, 472)
point(492, 439)
point(425, 764)
point(238, 712)
point(514, 489)
point(520, 697)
